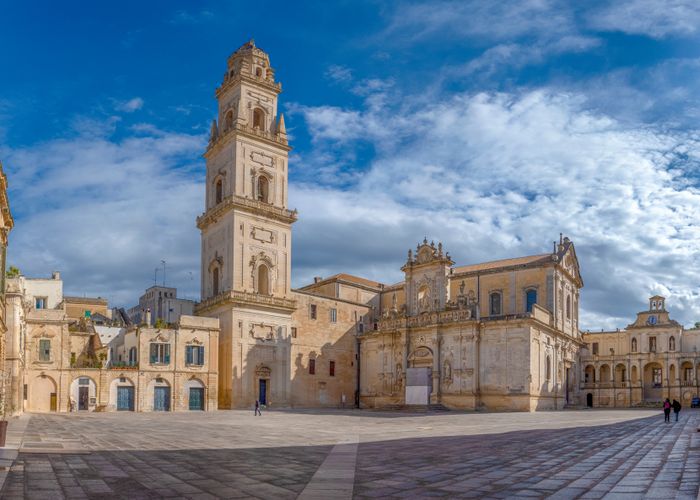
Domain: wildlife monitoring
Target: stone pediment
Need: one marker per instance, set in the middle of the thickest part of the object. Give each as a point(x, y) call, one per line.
point(426, 254)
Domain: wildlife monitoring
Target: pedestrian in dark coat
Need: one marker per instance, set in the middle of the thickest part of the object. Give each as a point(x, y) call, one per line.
point(257, 408)
point(676, 408)
point(667, 410)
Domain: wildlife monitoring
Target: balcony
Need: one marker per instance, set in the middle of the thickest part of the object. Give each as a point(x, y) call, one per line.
point(123, 365)
point(279, 140)
point(247, 299)
point(248, 205)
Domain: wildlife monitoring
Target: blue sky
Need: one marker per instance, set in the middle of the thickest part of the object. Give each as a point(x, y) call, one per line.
point(491, 126)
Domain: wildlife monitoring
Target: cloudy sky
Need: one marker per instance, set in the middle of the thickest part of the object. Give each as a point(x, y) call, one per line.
point(491, 126)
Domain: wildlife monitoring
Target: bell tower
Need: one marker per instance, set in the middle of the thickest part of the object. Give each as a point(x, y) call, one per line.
point(246, 232)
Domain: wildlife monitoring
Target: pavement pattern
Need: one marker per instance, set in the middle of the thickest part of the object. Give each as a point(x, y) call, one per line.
point(324, 454)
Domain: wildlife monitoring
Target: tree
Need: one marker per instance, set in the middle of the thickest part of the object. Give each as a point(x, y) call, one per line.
point(13, 272)
point(697, 324)
point(160, 323)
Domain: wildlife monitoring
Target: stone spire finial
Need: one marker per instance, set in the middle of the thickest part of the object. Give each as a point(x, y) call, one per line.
point(281, 128)
point(214, 133)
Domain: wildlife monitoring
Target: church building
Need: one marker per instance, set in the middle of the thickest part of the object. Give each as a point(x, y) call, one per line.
point(498, 335)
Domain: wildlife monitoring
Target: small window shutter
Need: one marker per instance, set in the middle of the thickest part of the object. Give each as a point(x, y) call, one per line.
point(188, 354)
point(201, 355)
point(154, 353)
point(167, 353)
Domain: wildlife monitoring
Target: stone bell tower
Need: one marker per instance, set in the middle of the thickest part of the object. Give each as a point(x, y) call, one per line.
point(246, 234)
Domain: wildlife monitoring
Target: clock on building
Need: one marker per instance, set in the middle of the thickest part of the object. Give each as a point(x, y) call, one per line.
point(651, 320)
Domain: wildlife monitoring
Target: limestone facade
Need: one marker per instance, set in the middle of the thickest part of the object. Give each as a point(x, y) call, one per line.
point(6, 223)
point(62, 364)
point(651, 359)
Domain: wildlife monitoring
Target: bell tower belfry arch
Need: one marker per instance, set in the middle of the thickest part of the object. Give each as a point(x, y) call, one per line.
point(246, 232)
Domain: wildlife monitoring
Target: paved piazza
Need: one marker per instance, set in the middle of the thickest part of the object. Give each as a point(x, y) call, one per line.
point(360, 454)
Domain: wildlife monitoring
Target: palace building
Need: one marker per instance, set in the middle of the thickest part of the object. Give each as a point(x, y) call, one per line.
point(652, 359)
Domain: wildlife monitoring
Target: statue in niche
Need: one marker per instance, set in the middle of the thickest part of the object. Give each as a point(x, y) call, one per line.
point(424, 302)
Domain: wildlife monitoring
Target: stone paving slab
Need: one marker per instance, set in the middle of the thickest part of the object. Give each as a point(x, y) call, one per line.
point(344, 454)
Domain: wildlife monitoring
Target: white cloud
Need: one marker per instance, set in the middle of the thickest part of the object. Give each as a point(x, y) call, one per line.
point(500, 175)
point(654, 18)
point(129, 106)
point(105, 212)
point(340, 74)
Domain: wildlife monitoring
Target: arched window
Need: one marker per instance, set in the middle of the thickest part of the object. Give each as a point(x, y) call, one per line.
point(263, 280)
point(530, 299)
point(548, 368)
point(258, 118)
point(219, 191)
point(495, 304)
point(263, 189)
point(215, 281)
point(568, 307)
point(672, 344)
point(228, 121)
point(634, 345)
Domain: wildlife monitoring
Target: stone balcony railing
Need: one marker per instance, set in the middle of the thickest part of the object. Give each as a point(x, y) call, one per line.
point(247, 299)
point(245, 129)
point(248, 205)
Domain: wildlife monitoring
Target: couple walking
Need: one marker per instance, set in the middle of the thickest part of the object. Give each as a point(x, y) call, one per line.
point(667, 409)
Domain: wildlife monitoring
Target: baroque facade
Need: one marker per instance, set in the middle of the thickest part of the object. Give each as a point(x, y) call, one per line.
point(6, 223)
point(653, 358)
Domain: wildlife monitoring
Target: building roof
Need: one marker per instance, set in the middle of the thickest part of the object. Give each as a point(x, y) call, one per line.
point(350, 278)
point(497, 264)
point(84, 300)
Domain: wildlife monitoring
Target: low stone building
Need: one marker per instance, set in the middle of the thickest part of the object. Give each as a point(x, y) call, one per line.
point(653, 358)
point(70, 364)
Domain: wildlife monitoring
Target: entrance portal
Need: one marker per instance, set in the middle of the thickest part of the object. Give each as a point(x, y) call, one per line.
point(125, 398)
point(161, 398)
point(262, 397)
point(589, 400)
point(83, 398)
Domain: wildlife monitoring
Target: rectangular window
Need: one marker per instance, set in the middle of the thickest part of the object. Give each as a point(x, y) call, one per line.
point(312, 367)
point(83, 381)
point(24, 392)
point(656, 376)
point(331, 369)
point(652, 344)
point(294, 332)
point(312, 311)
point(688, 377)
point(495, 304)
point(595, 347)
point(44, 350)
point(334, 315)
point(160, 353)
point(40, 302)
point(194, 355)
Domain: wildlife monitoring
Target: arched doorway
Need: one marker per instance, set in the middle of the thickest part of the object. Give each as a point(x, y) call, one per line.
point(83, 394)
point(194, 389)
point(159, 394)
point(589, 375)
point(42, 395)
point(653, 382)
point(419, 380)
point(605, 373)
point(122, 394)
point(589, 400)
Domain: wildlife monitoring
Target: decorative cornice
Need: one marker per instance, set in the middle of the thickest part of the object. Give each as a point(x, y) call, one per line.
point(275, 87)
point(246, 205)
point(247, 299)
point(274, 139)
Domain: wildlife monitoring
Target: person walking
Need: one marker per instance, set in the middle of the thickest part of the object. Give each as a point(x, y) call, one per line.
point(676, 408)
point(257, 408)
point(667, 410)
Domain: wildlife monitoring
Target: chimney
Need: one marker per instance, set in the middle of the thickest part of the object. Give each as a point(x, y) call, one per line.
point(317, 279)
point(55, 275)
point(147, 317)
